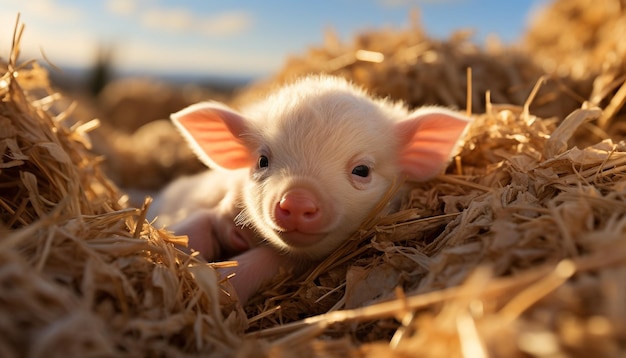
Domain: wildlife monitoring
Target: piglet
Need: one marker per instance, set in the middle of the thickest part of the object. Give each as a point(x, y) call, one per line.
point(297, 173)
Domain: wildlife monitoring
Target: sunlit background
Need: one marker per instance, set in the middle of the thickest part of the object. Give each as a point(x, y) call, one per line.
point(239, 39)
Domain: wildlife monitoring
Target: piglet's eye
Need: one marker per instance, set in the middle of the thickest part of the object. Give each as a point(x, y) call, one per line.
point(361, 170)
point(263, 162)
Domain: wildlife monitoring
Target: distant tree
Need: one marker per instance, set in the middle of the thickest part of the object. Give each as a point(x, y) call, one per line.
point(102, 71)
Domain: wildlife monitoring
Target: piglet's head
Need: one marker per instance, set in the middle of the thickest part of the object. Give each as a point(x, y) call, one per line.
point(321, 154)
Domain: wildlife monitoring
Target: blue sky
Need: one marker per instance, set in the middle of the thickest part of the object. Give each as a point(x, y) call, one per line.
point(236, 37)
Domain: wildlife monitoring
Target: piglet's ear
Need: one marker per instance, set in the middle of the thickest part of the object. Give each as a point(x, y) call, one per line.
point(214, 133)
point(428, 139)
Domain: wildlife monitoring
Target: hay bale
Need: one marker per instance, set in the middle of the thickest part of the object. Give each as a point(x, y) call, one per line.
point(584, 40)
point(142, 148)
point(578, 38)
point(129, 103)
point(518, 250)
point(147, 159)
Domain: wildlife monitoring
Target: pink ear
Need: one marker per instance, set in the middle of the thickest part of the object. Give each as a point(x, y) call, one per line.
point(428, 139)
point(214, 133)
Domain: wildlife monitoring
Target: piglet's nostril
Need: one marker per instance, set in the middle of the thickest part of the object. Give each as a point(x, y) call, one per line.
point(298, 210)
point(298, 205)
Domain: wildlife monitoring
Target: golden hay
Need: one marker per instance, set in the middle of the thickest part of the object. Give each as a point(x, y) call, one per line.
point(79, 274)
point(584, 40)
point(519, 250)
point(578, 38)
point(134, 115)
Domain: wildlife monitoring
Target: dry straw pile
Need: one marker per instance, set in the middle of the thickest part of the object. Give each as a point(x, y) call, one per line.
point(79, 274)
point(584, 41)
point(519, 250)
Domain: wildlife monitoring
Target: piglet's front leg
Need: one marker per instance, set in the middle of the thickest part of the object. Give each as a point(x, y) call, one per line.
point(216, 237)
point(255, 267)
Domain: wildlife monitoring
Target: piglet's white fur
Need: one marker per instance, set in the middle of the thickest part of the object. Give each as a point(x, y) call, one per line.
point(297, 173)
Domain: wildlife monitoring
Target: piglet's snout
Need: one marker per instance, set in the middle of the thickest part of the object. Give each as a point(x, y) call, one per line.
point(299, 210)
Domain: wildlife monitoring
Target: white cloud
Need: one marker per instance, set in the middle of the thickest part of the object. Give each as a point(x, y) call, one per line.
point(194, 59)
point(182, 20)
point(170, 20)
point(50, 27)
point(48, 10)
point(121, 7)
point(72, 48)
point(228, 23)
point(415, 3)
point(65, 47)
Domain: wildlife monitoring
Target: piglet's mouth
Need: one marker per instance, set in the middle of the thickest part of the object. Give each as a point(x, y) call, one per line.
point(300, 239)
